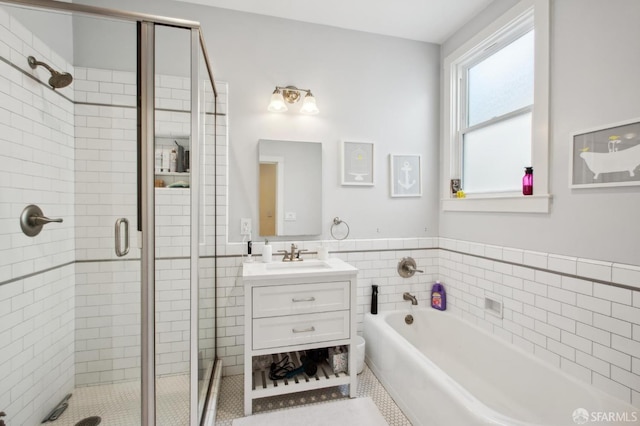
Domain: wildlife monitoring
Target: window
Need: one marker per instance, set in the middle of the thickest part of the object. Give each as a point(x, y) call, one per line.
point(496, 120)
point(496, 113)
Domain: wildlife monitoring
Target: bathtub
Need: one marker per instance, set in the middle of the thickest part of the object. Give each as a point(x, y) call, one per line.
point(443, 371)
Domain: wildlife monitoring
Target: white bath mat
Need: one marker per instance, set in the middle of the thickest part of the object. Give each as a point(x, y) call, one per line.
point(351, 412)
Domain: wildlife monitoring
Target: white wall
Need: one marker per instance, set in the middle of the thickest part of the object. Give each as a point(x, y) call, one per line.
point(368, 87)
point(594, 82)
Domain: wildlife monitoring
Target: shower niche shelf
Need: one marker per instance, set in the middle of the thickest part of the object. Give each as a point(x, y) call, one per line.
point(172, 177)
point(164, 145)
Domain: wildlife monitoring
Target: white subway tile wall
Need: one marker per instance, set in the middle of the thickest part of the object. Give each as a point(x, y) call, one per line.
point(586, 328)
point(37, 357)
point(36, 312)
point(36, 139)
point(107, 322)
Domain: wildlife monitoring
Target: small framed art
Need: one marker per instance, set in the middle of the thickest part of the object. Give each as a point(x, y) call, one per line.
point(357, 163)
point(606, 156)
point(406, 175)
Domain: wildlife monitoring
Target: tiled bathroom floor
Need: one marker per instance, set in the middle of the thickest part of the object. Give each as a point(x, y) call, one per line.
point(231, 400)
point(119, 404)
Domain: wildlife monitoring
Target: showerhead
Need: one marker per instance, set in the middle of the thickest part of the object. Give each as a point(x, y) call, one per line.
point(58, 80)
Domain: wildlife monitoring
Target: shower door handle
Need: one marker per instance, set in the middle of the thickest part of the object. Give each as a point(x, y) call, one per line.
point(119, 251)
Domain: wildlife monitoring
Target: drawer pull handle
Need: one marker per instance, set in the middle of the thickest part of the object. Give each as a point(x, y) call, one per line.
point(305, 299)
point(306, 330)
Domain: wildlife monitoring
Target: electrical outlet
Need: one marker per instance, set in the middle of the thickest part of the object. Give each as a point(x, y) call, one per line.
point(245, 226)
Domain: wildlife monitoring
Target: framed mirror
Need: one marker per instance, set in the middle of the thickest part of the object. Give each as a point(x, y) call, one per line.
point(290, 188)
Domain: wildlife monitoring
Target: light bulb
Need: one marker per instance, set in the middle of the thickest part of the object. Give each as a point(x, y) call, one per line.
point(277, 102)
point(309, 105)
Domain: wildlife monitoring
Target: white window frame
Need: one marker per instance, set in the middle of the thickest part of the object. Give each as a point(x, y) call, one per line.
point(506, 26)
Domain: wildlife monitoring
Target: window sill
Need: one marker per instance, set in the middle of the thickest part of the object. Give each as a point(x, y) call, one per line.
point(499, 204)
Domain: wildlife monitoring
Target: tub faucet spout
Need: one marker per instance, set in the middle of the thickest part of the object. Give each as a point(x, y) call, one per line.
point(408, 296)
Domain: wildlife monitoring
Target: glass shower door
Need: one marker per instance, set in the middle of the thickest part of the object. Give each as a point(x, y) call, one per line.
point(108, 269)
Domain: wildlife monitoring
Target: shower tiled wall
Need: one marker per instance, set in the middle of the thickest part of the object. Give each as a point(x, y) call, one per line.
point(36, 132)
point(37, 356)
point(36, 311)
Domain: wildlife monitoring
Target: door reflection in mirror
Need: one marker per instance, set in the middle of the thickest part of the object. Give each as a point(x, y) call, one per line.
point(290, 188)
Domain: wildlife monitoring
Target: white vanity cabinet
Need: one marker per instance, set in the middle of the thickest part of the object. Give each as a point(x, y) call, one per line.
point(293, 307)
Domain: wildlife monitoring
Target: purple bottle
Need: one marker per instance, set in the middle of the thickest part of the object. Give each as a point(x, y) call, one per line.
point(438, 297)
point(527, 181)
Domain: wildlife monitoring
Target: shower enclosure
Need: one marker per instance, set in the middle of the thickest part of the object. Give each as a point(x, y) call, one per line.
point(108, 122)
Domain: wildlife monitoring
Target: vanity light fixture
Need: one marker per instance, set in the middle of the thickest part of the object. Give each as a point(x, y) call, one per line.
point(291, 94)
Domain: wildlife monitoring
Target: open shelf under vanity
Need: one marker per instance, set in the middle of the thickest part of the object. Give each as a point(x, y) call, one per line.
point(263, 386)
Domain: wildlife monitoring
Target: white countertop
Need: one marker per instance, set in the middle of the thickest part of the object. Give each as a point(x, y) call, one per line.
point(305, 268)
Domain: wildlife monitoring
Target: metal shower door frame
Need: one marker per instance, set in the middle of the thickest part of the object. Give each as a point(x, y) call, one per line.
point(146, 193)
point(146, 216)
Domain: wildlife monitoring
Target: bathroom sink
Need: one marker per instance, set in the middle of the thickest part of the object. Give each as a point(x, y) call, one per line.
point(297, 265)
point(305, 268)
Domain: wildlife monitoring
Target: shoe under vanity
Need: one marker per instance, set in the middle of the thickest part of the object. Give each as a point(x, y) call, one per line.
point(292, 308)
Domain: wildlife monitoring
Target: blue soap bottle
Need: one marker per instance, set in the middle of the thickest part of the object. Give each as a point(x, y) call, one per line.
point(438, 297)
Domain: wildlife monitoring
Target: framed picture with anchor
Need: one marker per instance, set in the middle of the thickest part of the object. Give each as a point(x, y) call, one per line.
point(406, 175)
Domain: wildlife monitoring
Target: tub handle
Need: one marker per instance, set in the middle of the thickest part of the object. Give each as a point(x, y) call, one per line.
point(304, 299)
point(306, 330)
point(407, 267)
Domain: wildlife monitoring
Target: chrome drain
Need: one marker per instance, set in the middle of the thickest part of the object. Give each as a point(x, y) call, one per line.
point(408, 319)
point(89, 421)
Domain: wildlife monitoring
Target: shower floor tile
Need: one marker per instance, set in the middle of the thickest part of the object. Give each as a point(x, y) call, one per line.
point(119, 404)
point(231, 400)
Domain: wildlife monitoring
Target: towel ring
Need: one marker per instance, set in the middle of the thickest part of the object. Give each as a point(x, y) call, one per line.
point(336, 222)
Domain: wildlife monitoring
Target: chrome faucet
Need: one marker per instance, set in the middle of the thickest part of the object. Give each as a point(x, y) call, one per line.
point(408, 296)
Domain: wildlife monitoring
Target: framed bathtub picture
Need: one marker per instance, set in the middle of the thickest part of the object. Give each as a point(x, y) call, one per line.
point(405, 175)
point(357, 163)
point(606, 156)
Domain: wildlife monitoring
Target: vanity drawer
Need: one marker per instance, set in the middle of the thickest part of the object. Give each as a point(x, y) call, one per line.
point(271, 301)
point(300, 329)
